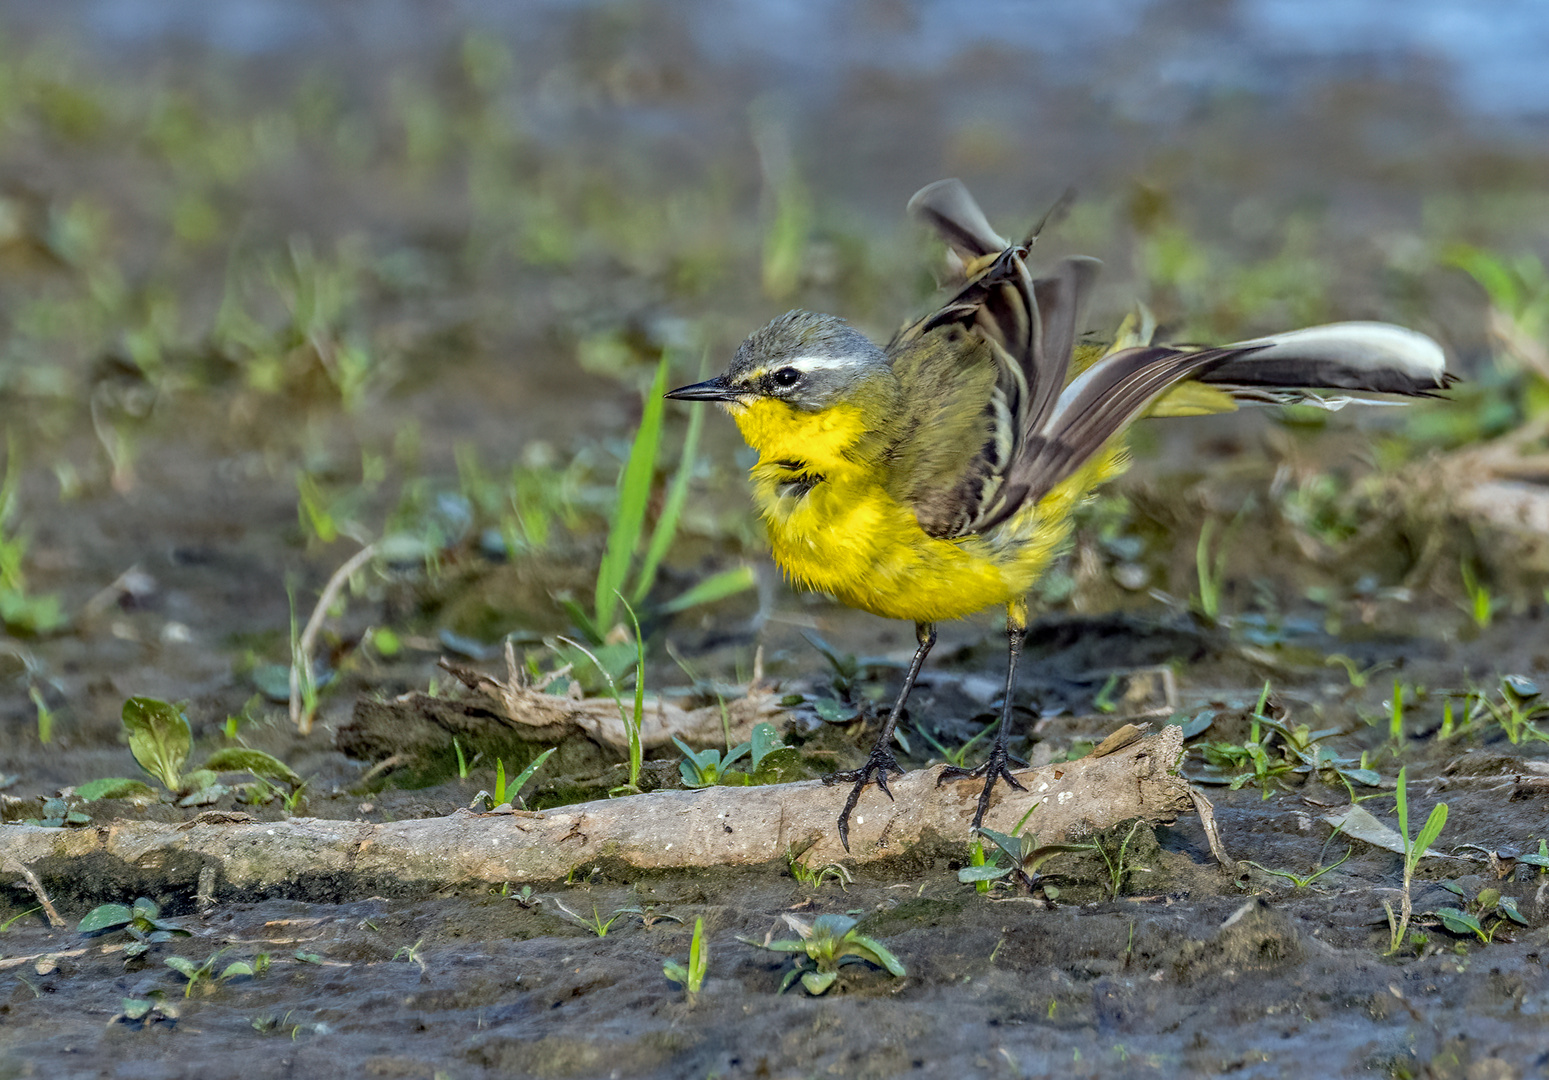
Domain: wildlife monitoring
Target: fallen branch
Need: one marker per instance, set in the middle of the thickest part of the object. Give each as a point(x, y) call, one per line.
point(421, 727)
point(661, 830)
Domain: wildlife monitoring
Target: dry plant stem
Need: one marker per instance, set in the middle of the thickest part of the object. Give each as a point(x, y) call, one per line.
point(661, 830)
point(314, 627)
point(1207, 817)
point(381, 767)
point(16, 866)
point(18, 961)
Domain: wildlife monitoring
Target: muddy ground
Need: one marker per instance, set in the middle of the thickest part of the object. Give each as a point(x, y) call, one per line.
point(262, 307)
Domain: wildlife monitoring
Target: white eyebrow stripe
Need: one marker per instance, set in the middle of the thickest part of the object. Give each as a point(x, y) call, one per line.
point(807, 364)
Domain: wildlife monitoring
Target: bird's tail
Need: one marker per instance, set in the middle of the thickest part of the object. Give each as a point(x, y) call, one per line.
point(1325, 366)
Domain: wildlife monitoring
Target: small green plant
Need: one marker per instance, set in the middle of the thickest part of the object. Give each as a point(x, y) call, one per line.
point(1357, 675)
point(1276, 750)
point(18, 917)
point(978, 863)
point(506, 794)
point(825, 944)
point(844, 676)
point(142, 921)
point(1518, 290)
point(958, 757)
point(1414, 851)
point(463, 764)
point(161, 740)
point(1481, 603)
point(813, 876)
point(20, 610)
point(1298, 881)
point(1026, 856)
point(45, 715)
point(596, 924)
point(147, 1010)
point(59, 814)
point(1117, 860)
point(1539, 858)
point(1396, 717)
point(788, 208)
point(1476, 913)
point(691, 977)
point(205, 972)
point(706, 768)
point(1521, 702)
point(1210, 565)
point(412, 954)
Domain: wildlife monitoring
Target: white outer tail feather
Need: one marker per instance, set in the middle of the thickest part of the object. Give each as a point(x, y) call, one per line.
point(1362, 346)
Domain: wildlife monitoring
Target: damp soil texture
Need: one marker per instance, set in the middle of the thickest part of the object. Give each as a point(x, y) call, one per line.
point(280, 287)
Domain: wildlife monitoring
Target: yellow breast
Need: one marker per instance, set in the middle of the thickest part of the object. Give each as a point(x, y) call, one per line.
point(834, 528)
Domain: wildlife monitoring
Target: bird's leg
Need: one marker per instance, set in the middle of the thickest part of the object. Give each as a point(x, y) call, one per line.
point(881, 761)
point(994, 767)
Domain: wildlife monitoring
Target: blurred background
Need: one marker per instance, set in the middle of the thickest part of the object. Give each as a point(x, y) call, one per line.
point(281, 278)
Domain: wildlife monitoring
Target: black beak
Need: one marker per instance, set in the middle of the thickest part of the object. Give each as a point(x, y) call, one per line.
point(716, 389)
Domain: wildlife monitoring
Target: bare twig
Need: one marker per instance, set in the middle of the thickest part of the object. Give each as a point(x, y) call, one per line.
point(18, 961)
point(18, 867)
point(1207, 817)
point(381, 767)
point(303, 652)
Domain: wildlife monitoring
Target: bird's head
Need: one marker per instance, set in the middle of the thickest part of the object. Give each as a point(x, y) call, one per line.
point(805, 360)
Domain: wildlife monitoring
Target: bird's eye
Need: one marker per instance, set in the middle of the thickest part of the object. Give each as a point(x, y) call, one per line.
point(786, 376)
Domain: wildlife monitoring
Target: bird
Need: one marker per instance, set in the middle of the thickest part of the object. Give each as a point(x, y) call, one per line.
point(936, 476)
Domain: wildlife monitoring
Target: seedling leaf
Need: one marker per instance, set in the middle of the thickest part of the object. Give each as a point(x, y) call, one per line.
point(817, 983)
point(1433, 827)
point(1508, 904)
point(184, 965)
point(970, 874)
point(114, 787)
point(241, 759)
point(159, 738)
point(1459, 922)
point(106, 917)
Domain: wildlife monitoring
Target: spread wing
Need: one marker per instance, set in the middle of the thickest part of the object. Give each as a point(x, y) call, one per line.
point(982, 375)
point(994, 420)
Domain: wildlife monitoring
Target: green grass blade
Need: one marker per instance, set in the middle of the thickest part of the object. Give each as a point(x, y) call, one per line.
point(1401, 800)
point(514, 788)
point(672, 509)
point(636, 749)
point(634, 493)
point(1433, 827)
point(715, 587)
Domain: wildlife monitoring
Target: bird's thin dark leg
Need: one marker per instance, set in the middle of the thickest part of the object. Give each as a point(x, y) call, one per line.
point(994, 767)
point(881, 761)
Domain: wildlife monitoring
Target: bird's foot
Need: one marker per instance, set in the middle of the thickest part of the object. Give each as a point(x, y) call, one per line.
point(994, 768)
point(878, 765)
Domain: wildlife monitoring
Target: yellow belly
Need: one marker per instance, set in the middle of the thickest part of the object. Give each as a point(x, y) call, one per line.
point(843, 534)
point(847, 537)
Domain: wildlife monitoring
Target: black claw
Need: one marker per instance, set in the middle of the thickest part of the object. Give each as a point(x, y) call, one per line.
point(993, 769)
point(877, 766)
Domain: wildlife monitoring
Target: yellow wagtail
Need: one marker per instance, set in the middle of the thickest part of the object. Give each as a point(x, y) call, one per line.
point(937, 477)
